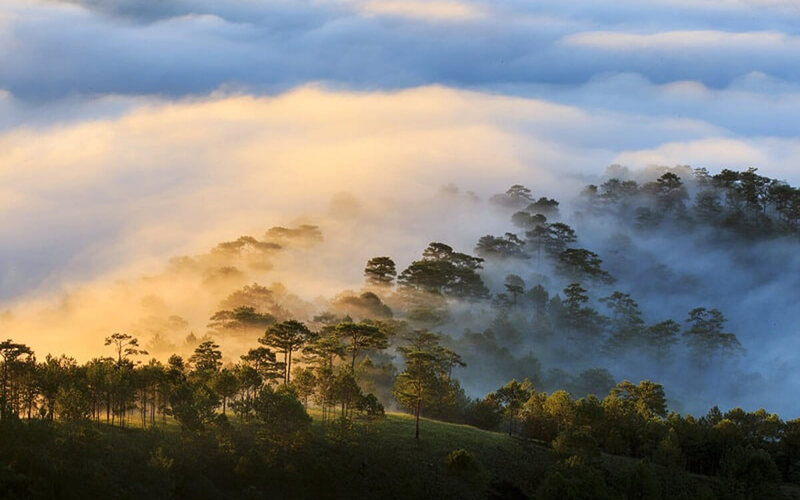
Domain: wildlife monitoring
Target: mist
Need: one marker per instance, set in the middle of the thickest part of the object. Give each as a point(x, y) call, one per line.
point(140, 252)
point(135, 137)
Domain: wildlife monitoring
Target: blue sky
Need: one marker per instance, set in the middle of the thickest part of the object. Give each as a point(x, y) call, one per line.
point(737, 62)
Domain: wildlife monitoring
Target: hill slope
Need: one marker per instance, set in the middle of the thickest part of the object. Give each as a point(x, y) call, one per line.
point(372, 459)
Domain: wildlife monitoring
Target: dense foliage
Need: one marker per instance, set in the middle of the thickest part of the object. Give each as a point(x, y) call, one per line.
point(217, 426)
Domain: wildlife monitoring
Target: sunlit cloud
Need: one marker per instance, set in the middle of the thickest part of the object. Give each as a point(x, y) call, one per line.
point(132, 132)
point(779, 156)
point(422, 10)
point(677, 40)
point(733, 4)
point(107, 199)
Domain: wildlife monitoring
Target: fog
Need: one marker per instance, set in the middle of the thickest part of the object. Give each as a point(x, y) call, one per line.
point(368, 169)
point(132, 133)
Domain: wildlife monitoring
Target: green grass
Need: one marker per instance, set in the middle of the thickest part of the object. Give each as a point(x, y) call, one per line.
point(381, 459)
point(384, 460)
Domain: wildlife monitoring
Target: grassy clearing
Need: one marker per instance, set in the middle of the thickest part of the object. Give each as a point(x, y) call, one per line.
point(384, 460)
point(381, 459)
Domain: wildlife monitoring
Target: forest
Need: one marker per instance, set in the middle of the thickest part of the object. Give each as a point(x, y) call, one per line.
point(569, 355)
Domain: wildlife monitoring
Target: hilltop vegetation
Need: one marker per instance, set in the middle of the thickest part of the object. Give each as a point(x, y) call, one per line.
point(365, 459)
point(527, 337)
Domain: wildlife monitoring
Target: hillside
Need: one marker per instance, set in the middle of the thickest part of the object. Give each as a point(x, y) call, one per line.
point(366, 459)
point(383, 462)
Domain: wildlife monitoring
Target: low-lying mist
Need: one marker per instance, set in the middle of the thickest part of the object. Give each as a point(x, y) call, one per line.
point(184, 204)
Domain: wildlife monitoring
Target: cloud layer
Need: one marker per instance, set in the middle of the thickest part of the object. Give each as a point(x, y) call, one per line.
point(132, 131)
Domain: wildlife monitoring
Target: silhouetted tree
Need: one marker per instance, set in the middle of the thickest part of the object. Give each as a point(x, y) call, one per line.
point(380, 271)
point(360, 336)
point(287, 337)
point(515, 286)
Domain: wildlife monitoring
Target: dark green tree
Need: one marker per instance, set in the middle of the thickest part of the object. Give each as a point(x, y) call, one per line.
point(627, 325)
point(582, 265)
point(516, 196)
point(512, 397)
point(13, 356)
point(125, 347)
point(705, 337)
point(287, 337)
point(380, 271)
point(515, 286)
point(361, 336)
point(420, 384)
point(226, 384)
point(445, 271)
point(240, 320)
point(206, 359)
point(500, 247)
point(264, 362)
point(661, 337)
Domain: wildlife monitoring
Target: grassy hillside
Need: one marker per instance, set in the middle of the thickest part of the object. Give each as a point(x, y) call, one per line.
point(384, 461)
point(372, 459)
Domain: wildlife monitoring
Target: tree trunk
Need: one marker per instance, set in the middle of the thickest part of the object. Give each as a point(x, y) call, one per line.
point(289, 369)
point(416, 430)
point(285, 366)
point(143, 411)
point(5, 389)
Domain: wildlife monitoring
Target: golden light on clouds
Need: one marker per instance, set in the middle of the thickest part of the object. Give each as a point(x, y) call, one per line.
point(122, 195)
point(682, 39)
point(434, 10)
point(177, 178)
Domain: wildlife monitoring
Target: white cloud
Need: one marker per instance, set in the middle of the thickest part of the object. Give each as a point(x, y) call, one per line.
point(145, 181)
point(676, 40)
point(775, 157)
point(427, 10)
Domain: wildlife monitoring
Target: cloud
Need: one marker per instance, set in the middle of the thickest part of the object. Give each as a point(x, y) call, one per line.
point(423, 10)
point(682, 40)
point(192, 47)
point(733, 4)
point(218, 165)
point(87, 203)
point(752, 105)
point(90, 206)
point(135, 130)
point(779, 156)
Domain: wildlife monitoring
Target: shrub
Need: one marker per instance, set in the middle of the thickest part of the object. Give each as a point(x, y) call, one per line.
point(577, 443)
point(370, 406)
point(461, 462)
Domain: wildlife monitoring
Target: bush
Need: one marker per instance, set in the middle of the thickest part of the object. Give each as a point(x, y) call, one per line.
point(370, 406)
point(573, 480)
point(751, 465)
point(642, 482)
point(577, 443)
point(668, 452)
point(461, 462)
point(484, 413)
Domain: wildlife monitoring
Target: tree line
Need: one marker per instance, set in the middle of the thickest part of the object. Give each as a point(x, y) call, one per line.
point(121, 389)
point(756, 448)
